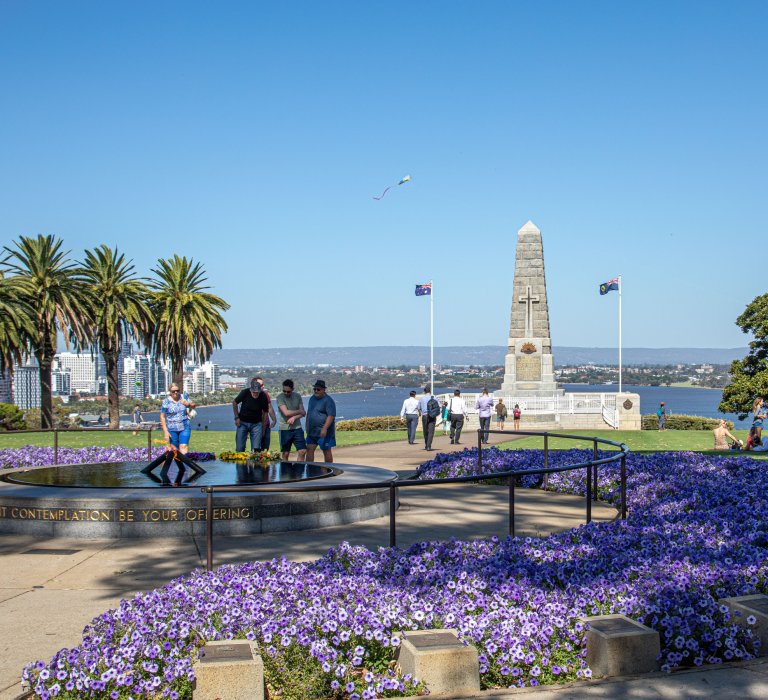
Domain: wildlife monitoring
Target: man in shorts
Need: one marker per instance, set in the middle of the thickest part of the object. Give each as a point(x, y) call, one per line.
point(321, 426)
point(291, 409)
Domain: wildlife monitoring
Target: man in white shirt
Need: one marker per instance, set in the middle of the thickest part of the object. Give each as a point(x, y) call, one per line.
point(457, 412)
point(409, 414)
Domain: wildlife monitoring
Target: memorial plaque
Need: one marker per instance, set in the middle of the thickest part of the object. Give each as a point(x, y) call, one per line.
point(528, 369)
point(437, 639)
point(235, 651)
point(759, 604)
point(613, 626)
point(627, 404)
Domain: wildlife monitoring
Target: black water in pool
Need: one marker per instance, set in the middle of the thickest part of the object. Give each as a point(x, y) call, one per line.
point(129, 475)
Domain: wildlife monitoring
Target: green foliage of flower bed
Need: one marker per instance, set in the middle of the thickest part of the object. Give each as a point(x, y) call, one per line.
point(373, 423)
point(681, 422)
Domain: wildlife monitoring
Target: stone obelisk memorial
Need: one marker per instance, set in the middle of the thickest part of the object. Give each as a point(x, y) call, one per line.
point(529, 368)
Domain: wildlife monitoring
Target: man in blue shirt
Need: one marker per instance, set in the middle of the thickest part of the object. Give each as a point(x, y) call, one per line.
point(427, 422)
point(321, 426)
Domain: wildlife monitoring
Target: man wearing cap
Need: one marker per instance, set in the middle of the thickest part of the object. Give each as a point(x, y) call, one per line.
point(321, 426)
point(458, 412)
point(662, 415)
point(249, 418)
point(484, 405)
point(409, 413)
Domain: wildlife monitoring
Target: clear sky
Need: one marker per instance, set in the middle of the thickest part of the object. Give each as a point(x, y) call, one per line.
point(253, 136)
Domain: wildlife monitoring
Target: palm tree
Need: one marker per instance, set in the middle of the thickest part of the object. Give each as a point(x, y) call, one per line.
point(54, 289)
point(187, 319)
point(122, 312)
point(15, 325)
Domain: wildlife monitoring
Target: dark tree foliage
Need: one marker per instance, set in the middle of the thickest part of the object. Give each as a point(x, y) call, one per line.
point(749, 377)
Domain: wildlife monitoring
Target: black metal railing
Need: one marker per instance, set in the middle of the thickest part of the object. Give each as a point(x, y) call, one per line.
point(591, 467)
point(96, 429)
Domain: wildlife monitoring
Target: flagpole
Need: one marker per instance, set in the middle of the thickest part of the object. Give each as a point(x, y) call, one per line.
point(619, 333)
point(432, 336)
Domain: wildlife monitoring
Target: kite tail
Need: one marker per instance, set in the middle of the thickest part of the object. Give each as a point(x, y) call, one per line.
point(383, 193)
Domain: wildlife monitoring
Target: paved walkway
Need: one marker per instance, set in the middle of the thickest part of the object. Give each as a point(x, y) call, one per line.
point(50, 589)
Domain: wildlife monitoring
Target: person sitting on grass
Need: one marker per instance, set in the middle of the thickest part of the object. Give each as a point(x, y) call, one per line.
point(722, 435)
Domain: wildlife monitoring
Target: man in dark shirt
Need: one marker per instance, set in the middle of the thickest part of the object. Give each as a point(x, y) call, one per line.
point(249, 419)
point(321, 425)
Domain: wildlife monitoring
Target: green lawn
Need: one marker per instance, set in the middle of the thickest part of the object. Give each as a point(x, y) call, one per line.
point(637, 440)
point(201, 441)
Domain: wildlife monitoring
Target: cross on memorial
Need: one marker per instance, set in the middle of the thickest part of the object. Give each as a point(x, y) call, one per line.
point(529, 300)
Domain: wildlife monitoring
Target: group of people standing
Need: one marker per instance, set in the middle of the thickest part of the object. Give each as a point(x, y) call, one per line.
point(452, 414)
point(255, 418)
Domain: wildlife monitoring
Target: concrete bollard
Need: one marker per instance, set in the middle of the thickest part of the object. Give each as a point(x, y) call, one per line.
point(755, 605)
point(619, 646)
point(440, 660)
point(230, 670)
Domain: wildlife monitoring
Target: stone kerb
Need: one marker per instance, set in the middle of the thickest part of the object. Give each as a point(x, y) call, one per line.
point(440, 660)
point(619, 646)
point(745, 607)
point(229, 670)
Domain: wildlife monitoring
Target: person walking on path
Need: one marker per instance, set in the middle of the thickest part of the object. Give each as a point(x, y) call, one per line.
point(759, 412)
point(137, 419)
point(249, 418)
point(458, 412)
point(429, 409)
point(321, 422)
point(484, 406)
point(291, 409)
point(174, 419)
point(445, 417)
point(409, 414)
point(501, 414)
point(269, 419)
point(516, 413)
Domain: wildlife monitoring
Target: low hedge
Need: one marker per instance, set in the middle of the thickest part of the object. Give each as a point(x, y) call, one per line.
point(681, 422)
point(372, 423)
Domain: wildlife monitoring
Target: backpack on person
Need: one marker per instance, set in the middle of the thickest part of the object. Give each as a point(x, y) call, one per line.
point(433, 407)
point(516, 414)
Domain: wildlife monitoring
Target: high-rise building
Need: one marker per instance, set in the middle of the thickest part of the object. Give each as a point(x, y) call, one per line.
point(205, 379)
point(136, 376)
point(26, 386)
point(86, 368)
point(61, 382)
point(6, 387)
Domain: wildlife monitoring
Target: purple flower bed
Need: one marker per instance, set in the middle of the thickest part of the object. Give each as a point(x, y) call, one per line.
point(30, 456)
point(686, 544)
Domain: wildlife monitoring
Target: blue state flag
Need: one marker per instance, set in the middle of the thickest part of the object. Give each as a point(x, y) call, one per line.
point(609, 286)
point(423, 289)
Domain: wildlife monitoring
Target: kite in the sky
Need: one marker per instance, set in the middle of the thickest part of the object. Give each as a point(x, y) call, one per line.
point(402, 182)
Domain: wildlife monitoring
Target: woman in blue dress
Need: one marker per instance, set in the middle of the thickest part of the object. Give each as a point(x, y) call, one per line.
point(174, 418)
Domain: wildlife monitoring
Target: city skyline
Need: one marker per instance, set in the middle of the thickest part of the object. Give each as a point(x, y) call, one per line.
point(254, 140)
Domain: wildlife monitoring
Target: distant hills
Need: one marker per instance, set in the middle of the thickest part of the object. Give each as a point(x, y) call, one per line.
point(393, 356)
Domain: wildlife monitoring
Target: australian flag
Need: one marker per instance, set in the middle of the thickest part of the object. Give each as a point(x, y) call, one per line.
point(609, 286)
point(423, 289)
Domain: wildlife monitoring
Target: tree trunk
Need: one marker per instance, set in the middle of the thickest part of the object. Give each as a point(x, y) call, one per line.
point(113, 390)
point(44, 357)
point(177, 372)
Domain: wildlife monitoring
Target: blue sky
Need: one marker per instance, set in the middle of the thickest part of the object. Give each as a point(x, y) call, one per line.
point(252, 137)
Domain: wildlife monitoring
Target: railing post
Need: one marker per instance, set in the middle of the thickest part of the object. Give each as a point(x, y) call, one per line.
point(479, 449)
point(589, 493)
point(209, 529)
point(55, 446)
point(512, 505)
point(624, 486)
point(149, 444)
point(594, 472)
point(392, 510)
point(545, 482)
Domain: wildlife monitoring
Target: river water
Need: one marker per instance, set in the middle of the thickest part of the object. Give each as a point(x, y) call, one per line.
point(387, 402)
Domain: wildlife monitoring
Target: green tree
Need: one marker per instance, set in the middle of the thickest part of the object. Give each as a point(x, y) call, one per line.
point(16, 327)
point(122, 313)
point(11, 417)
point(53, 287)
point(188, 320)
point(749, 377)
